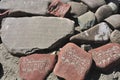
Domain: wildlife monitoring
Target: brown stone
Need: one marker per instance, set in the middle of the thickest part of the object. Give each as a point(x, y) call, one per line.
point(106, 56)
point(73, 63)
point(58, 8)
point(36, 66)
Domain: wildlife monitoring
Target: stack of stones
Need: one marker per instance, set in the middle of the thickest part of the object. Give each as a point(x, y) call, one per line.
point(70, 38)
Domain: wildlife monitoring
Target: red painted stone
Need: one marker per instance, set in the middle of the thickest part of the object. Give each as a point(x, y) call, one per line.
point(73, 63)
point(58, 8)
point(36, 66)
point(106, 56)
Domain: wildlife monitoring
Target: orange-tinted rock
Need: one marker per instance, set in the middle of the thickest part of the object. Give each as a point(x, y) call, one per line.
point(36, 66)
point(73, 63)
point(58, 8)
point(106, 56)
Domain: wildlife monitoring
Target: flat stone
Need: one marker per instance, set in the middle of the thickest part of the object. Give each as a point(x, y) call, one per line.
point(114, 20)
point(38, 7)
point(107, 56)
point(77, 8)
point(115, 36)
point(36, 66)
point(94, 4)
point(58, 8)
point(100, 33)
point(73, 63)
point(26, 35)
point(101, 12)
point(86, 20)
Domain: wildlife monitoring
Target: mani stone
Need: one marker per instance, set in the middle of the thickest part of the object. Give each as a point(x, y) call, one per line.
point(77, 8)
point(73, 63)
point(115, 36)
point(86, 20)
point(94, 4)
point(36, 66)
point(114, 21)
point(103, 12)
point(58, 8)
point(26, 35)
point(100, 33)
point(107, 56)
point(38, 7)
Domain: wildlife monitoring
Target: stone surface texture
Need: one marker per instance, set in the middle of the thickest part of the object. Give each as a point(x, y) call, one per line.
point(107, 56)
point(115, 36)
point(93, 4)
point(58, 8)
point(38, 7)
point(87, 20)
point(36, 66)
point(106, 10)
point(114, 21)
point(73, 63)
point(100, 33)
point(77, 8)
point(30, 34)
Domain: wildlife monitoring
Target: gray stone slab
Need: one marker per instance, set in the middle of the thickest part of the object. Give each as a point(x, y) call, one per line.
point(86, 20)
point(26, 35)
point(37, 7)
point(114, 21)
point(100, 33)
point(115, 36)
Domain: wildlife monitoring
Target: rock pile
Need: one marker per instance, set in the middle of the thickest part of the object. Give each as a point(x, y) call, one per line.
point(72, 39)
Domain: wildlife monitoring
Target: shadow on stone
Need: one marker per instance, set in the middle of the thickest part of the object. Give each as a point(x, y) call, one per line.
point(93, 74)
point(0, 40)
point(1, 71)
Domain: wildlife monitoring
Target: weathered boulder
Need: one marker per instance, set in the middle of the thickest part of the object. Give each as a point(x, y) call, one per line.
point(94, 4)
point(36, 66)
point(107, 56)
point(26, 35)
point(77, 8)
point(86, 20)
point(73, 63)
point(115, 36)
point(20, 7)
point(114, 21)
point(100, 33)
point(103, 12)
